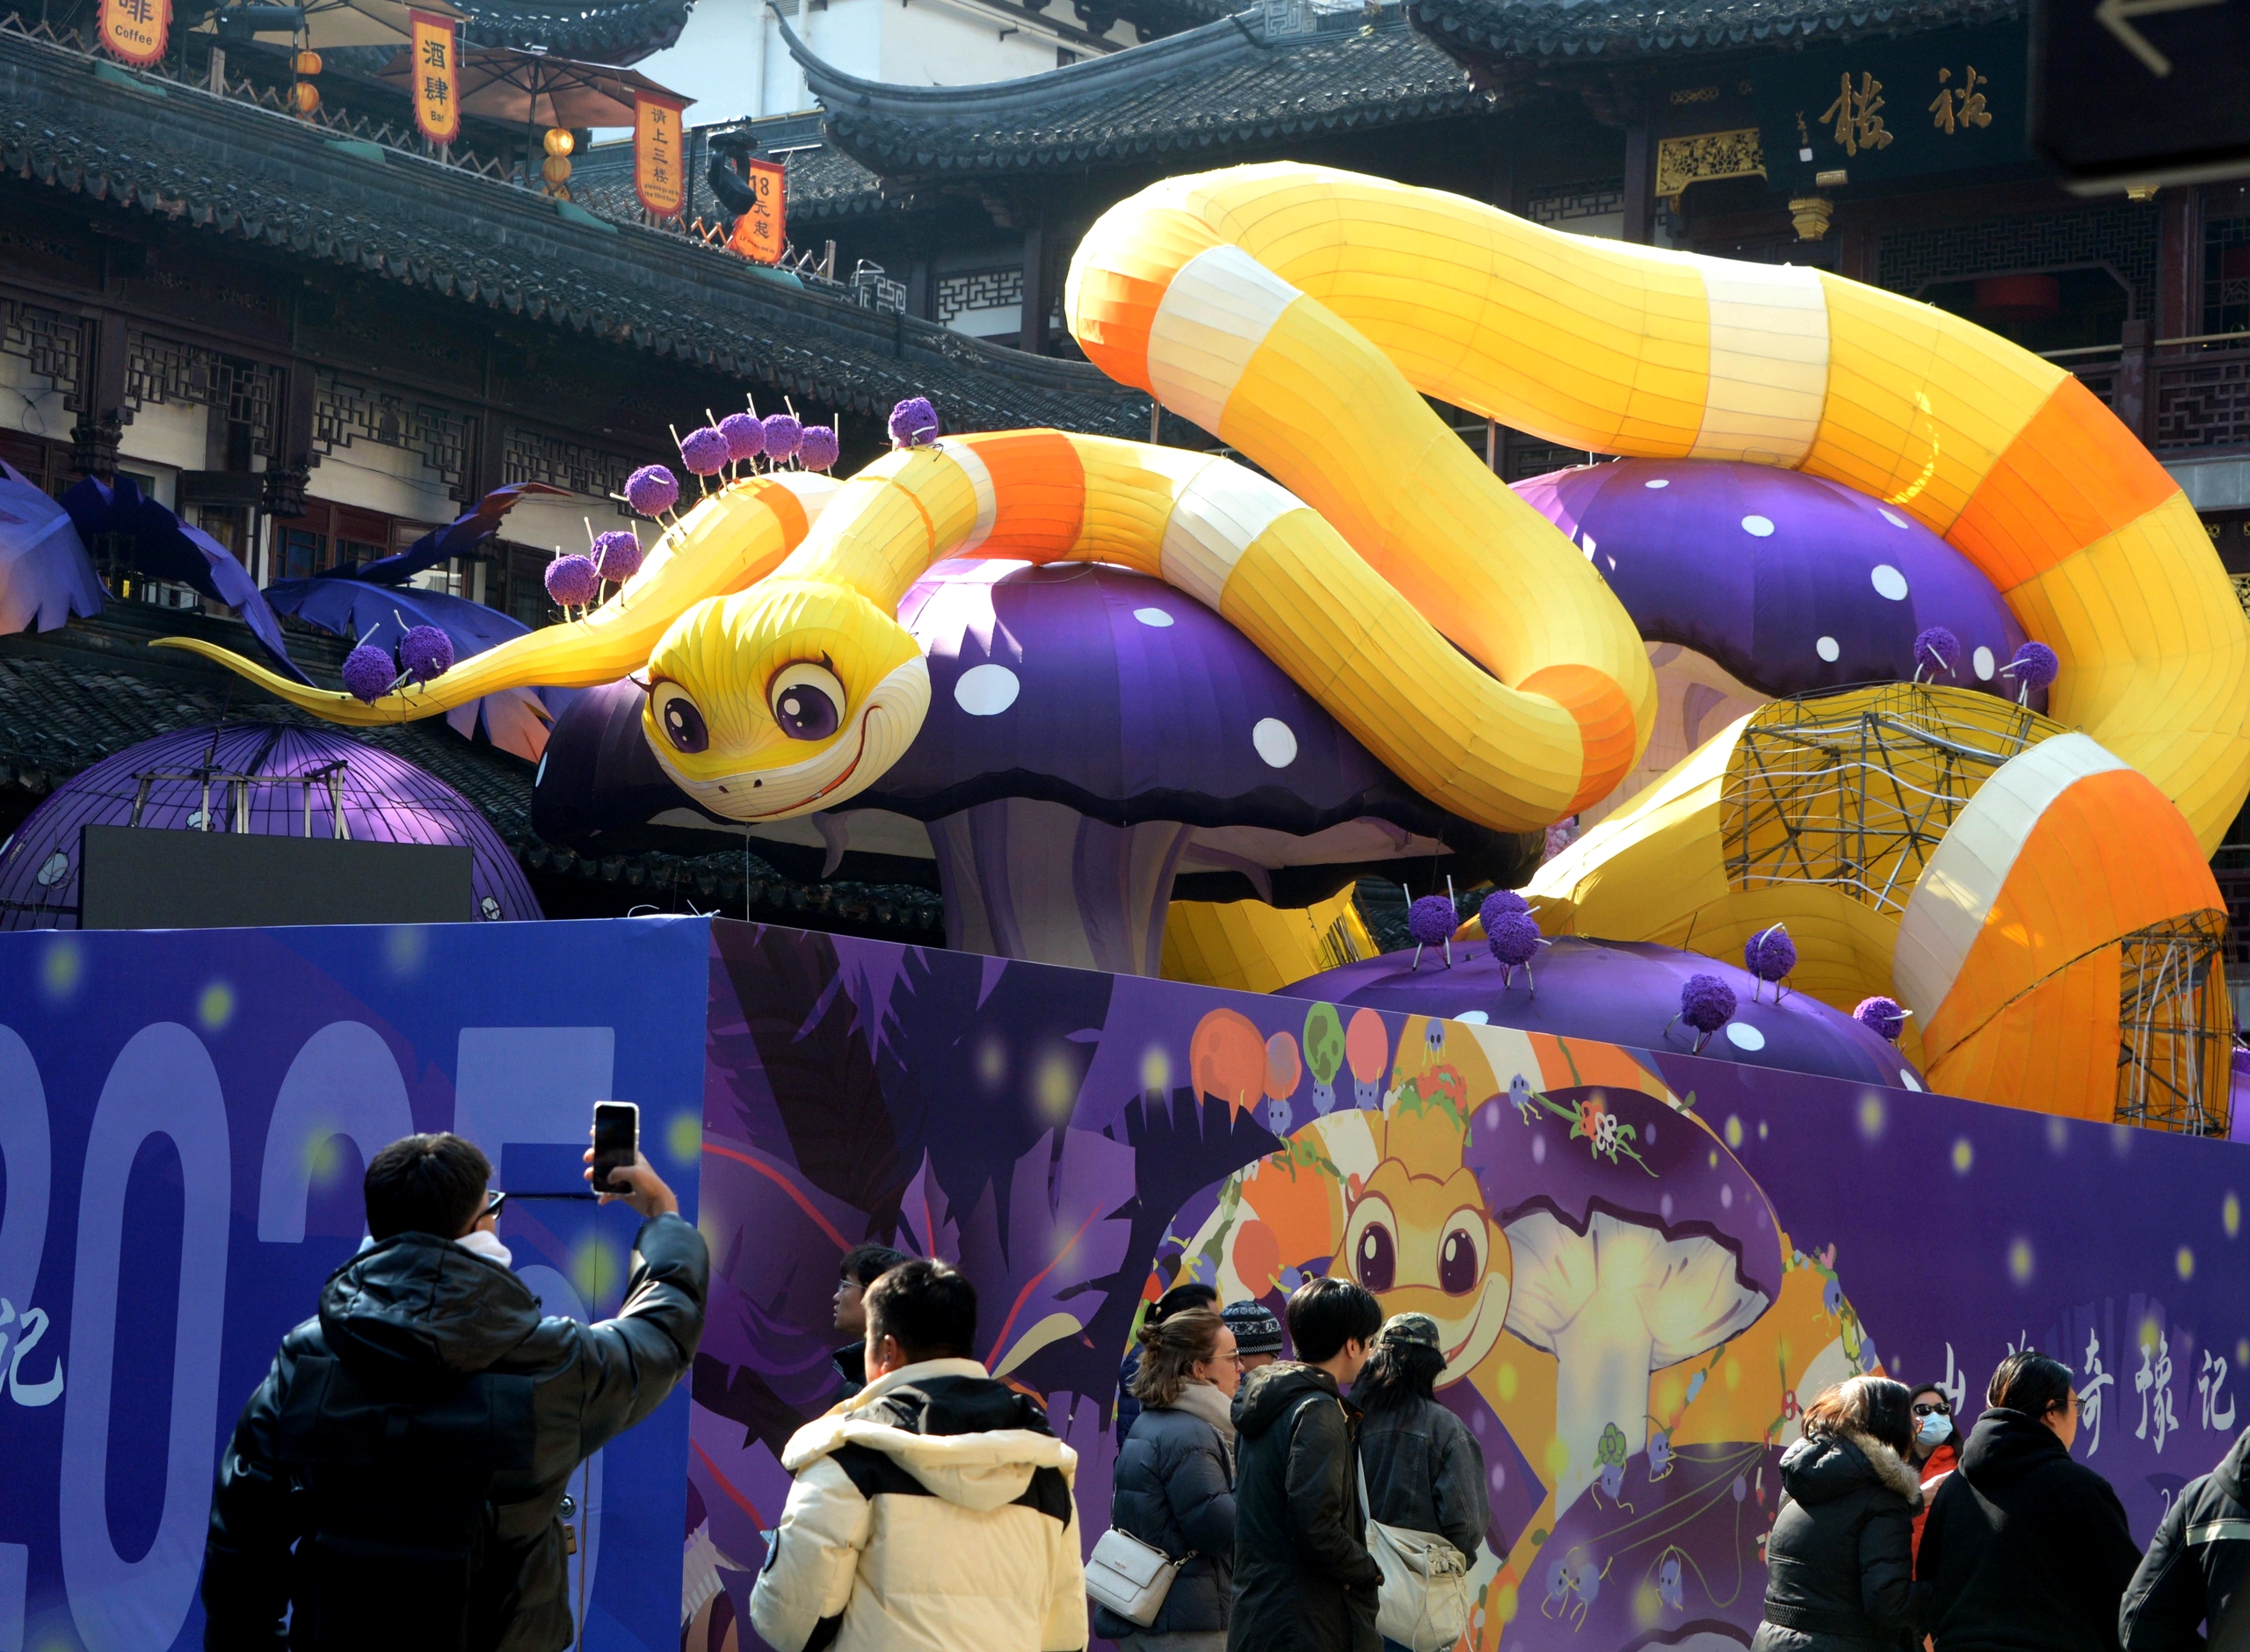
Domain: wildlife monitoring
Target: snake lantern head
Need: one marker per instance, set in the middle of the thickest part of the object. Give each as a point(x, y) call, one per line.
point(783, 699)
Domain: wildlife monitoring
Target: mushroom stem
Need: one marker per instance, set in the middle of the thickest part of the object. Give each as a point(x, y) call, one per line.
point(1025, 877)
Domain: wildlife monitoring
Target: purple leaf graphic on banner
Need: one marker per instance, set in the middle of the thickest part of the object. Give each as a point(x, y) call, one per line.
point(1058, 1243)
point(925, 1223)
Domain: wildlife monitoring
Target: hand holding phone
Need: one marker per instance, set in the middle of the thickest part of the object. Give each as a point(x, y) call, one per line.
point(615, 1167)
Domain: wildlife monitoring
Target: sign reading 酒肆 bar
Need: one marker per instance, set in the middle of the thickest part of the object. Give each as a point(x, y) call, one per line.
point(436, 48)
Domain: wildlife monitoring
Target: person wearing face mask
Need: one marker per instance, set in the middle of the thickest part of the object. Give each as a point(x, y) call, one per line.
point(1174, 1480)
point(1936, 1452)
point(2026, 1548)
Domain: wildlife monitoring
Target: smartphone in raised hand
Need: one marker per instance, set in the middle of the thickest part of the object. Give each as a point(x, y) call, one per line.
point(617, 1143)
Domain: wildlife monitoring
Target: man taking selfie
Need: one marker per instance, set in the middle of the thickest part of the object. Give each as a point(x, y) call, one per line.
point(398, 1479)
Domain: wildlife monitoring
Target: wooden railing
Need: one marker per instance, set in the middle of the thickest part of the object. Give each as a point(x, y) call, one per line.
point(2177, 395)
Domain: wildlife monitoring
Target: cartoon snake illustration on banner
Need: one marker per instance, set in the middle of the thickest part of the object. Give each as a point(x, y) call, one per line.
point(1301, 315)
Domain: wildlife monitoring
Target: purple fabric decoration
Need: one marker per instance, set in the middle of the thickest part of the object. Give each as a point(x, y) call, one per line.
point(368, 673)
point(1432, 920)
point(1885, 1017)
point(820, 447)
point(784, 435)
point(913, 422)
point(1706, 1003)
point(1513, 938)
point(617, 554)
point(652, 490)
point(705, 450)
point(1792, 582)
point(1939, 650)
point(426, 653)
point(1498, 902)
point(463, 534)
point(745, 436)
point(571, 581)
point(46, 576)
point(1615, 992)
point(161, 545)
point(385, 798)
point(2034, 666)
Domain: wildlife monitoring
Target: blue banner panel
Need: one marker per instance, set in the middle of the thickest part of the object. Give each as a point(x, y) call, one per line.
point(1643, 1264)
point(184, 1119)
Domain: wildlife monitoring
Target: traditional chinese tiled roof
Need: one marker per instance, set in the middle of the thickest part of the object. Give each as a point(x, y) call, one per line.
point(826, 183)
point(1610, 29)
point(247, 174)
point(1179, 101)
point(622, 32)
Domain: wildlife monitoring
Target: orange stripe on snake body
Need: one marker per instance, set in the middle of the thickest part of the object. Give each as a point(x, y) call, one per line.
point(1605, 720)
point(1039, 487)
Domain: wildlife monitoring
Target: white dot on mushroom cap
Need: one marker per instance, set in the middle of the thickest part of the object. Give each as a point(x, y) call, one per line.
point(1473, 1017)
point(1156, 617)
point(1889, 582)
point(1742, 1036)
point(1664, 1206)
point(1656, 481)
point(1909, 1080)
point(1274, 742)
point(1982, 659)
point(1828, 649)
point(1726, 1197)
point(1892, 517)
point(1761, 527)
point(986, 691)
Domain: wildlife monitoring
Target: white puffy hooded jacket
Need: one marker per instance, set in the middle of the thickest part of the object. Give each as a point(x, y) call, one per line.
point(931, 1512)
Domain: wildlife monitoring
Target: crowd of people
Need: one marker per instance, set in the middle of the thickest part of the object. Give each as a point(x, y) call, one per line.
point(400, 1476)
point(1895, 1533)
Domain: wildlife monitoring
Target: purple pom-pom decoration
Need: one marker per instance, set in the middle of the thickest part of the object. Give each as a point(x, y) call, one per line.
point(706, 451)
point(1432, 920)
point(784, 435)
point(652, 490)
point(913, 422)
point(820, 447)
point(1938, 650)
point(1513, 938)
point(1706, 1003)
point(617, 554)
point(2034, 666)
point(1498, 904)
point(1769, 954)
point(571, 580)
point(425, 653)
point(1885, 1017)
point(368, 673)
point(745, 436)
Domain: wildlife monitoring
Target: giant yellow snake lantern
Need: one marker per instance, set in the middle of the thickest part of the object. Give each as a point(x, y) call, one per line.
point(1301, 315)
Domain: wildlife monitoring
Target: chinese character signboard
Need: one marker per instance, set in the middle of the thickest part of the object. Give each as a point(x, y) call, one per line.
point(762, 231)
point(135, 31)
point(659, 169)
point(436, 82)
point(1896, 108)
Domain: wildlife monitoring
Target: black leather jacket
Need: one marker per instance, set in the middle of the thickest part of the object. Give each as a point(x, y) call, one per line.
point(398, 1476)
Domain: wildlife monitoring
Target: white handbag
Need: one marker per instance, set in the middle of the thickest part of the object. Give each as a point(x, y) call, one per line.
point(1424, 1601)
point(1131, 1577)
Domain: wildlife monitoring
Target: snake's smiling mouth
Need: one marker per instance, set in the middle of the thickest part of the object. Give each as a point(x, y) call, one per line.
point(850, 769)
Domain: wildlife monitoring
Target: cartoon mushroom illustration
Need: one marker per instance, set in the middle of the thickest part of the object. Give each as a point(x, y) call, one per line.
point(1096, 743)
point(1638, 1242)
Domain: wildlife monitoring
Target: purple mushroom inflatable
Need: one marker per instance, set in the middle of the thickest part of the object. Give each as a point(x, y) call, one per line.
point(1097, 745)
point(1623, 992)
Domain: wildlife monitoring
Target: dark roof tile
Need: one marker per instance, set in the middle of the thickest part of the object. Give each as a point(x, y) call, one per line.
point(1564, 29)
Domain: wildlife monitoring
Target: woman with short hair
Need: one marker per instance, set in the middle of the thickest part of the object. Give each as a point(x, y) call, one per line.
point(2025, 1548)
point(1426, 1472)
point(1173, 1484)
point(1839, 1567)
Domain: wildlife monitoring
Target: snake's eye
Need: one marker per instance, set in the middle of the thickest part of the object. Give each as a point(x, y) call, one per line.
point(682, 723)
point(808, 701)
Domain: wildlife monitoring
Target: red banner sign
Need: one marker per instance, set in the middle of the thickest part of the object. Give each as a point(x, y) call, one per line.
point(135, 31)
point(762, 232)
point(436, 76)
point(659, 165)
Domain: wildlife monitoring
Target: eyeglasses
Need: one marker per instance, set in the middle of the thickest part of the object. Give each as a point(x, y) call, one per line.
point(492, 1203)
point(1934, 1408)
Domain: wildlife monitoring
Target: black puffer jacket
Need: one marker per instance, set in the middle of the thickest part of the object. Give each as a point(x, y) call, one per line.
point(2197, 1567)
point(2025, 1550)
point(1426, 1473)
point(1840, 1562)
point(1304, 1579)
point(1174, 1486)
point(412, 1446)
